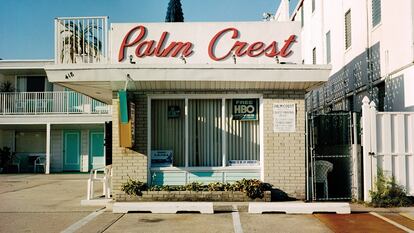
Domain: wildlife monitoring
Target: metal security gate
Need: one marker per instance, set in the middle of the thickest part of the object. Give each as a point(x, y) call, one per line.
point(333, 156)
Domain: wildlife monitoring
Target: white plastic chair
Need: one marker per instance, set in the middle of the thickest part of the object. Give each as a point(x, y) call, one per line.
point(39, 162)
point(106, 182)
point(322, 168)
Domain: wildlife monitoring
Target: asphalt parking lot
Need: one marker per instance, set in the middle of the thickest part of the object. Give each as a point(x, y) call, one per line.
point(51, 203)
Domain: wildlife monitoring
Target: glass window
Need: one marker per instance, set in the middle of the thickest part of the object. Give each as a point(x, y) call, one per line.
point(313, 5)
point(205, 132)
point(376, 12)
point(168, 130)
point(314, 56)
point(206, 129)
point(328, 47)
point(348, 34)
point(302, 16)
point(243, 138)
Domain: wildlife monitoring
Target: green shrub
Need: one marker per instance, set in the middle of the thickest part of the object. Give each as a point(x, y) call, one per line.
point(219, 186)
point(388, 193)
point(195, 186)
point(253, 188)
point(134, 187)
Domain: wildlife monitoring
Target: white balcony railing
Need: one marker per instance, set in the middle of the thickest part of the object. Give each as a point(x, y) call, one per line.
point(81, 40)
point(49, 103)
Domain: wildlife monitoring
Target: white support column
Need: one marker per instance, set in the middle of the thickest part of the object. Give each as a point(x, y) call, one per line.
point(262, 141)
point(223, 132)
point(47, 170)
point(366, 143)
point(186, 142)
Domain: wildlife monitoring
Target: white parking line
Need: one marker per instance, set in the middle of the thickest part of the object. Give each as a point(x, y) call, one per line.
point(392, 222)
point(77, 225)
point(236, 220)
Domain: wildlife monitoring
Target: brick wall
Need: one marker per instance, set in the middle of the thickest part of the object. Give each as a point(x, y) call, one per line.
point(284, 165)
point(129, 162)
point(284, 152)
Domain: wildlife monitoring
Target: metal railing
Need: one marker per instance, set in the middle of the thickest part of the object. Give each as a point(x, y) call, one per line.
point(56, 102)
point(81, 40)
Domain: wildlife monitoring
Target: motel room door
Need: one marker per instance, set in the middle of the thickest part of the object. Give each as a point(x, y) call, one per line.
point(96, 149)
point(71, 150)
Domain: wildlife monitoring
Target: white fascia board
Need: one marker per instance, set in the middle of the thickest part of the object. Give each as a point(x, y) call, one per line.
point(24, 64)
point(182, 72)
point(55, 119)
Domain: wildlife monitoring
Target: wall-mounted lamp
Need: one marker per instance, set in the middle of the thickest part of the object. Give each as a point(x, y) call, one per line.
point(183, 58)
point(130, 59)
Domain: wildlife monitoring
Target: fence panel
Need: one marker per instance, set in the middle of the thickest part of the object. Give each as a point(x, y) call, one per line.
point(388, 141)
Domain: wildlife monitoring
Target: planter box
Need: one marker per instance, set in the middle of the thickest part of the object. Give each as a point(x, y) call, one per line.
point(217, 196)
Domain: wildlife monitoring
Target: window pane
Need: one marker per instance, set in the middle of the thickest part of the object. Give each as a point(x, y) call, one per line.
point(376, 12)
point(168, 132)
point(314, 56)
point(205, 132)
point(348, 29)
point(35, 84)
point(313, 5)
point(328, 47)
point(243, 137)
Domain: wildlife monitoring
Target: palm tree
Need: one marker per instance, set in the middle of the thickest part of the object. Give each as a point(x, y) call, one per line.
point(174, 12)
point(79, 39)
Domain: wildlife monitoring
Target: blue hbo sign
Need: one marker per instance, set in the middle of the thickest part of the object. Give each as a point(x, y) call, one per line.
point(245, 109)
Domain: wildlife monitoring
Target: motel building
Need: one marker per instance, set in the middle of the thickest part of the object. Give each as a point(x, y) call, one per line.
point(166, 103)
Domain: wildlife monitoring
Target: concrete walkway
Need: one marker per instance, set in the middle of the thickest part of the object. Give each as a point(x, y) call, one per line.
point(51, 203)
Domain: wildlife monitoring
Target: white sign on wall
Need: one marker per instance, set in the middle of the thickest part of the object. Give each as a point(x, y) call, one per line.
point(206, 43)
point(284, 117)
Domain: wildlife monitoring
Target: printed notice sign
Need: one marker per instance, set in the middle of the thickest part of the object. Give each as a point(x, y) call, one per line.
point(284, 118)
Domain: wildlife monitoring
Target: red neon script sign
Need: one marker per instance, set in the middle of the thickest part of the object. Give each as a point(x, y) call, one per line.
point(161, 48)
point(151, 47)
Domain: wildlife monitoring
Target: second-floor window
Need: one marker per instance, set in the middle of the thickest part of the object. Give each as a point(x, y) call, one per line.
point(33, 84)
point(314, 56)
point(313, 5)
point(376, 12)
point(328, 47)
point(348, 34)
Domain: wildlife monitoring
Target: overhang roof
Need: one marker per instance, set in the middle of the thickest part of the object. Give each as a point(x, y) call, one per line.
point(24, 67)
point(99, 80)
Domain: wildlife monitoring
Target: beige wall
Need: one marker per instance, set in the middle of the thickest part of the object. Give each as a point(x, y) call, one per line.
point(284, 153)
point(129, 162)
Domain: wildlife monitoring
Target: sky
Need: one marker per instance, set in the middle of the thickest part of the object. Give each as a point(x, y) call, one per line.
point(27, 28)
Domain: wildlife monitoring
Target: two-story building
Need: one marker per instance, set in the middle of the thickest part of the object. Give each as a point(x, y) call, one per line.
point(211, 101)
point(50, 128)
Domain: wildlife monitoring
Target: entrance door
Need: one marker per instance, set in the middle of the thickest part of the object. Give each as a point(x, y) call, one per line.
point(96, 149)
point(71, 150)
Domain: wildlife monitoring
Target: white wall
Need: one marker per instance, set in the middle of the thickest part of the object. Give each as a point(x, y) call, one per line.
point(394, 34)
point(56, 151)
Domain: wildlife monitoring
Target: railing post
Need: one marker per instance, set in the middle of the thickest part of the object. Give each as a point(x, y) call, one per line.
point(366, 143)
point(3, 96)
